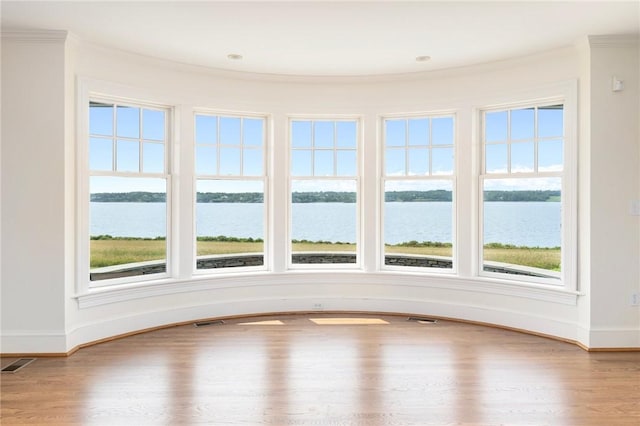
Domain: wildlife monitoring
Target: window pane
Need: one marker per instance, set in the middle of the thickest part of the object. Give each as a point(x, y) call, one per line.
point(496, 158)
point(128, 122)
point(522, 226)
point(153, 124)
point(522, 123)
point(252, 162)
point(442, 161)
point(128, 226)
point(442, 131)
point(324, 217)
point(550, 156)
point(128, 156)
point(323, 163)
point(100, 154)
point(418, 223)
point(229, 131)
point(522, 155)
point(347, 163)
point(301, 162)
point(394, 161)
point(100, 119)
point(323, 134)
point(346, 134)
point(206, 160)
point(551, 121)
point(301, 134)
point(419, 131)
point(229, 223)
point(206, 129)
point(395, 132)
point(229, 161)
point(253, 131)
point(418, 161)
point(153, 158)
point(495, 129)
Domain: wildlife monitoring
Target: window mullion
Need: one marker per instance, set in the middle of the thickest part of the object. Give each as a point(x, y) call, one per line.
point(218, 144)
point(508, 142)
point(430, 147)
point(241, 146)
point(114, 140)
point(140, 142)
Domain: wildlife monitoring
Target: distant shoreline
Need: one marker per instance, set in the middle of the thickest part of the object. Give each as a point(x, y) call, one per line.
point(327, 197)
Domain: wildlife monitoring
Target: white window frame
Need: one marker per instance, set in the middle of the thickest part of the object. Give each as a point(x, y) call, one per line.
point(430, 177)
point(86, 95)
point(358, 119)
point(565, 94)
point(264, 178)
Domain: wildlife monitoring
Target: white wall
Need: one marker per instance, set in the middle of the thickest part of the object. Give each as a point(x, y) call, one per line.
point(33, 192)
point(615, 183)
point(463, 297)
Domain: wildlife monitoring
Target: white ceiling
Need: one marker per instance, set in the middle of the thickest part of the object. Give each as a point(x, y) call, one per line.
point(329, 38)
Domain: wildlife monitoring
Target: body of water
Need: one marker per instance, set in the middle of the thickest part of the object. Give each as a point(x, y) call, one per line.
point(519, 223)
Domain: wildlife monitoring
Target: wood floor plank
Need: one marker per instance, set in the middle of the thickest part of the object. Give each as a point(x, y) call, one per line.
point(302, 373)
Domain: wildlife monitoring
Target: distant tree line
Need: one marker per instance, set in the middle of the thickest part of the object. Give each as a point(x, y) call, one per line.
point(226, 197)
point(417, 196)
point(129, 197)
point(323, 196)
point(521, 195)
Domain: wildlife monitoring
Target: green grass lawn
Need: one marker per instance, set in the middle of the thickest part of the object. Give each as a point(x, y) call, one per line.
point(116, 252)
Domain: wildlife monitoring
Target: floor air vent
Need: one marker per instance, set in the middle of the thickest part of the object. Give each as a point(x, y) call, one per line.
point(17, 365)
point(422, 320)
point(206, 323)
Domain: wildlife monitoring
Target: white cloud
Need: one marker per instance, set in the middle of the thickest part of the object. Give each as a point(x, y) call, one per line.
point(317, 185)
point(523, 184)
point(417, 185)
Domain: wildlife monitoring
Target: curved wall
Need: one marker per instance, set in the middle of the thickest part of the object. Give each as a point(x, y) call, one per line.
point(458, 296)
point(76, 316)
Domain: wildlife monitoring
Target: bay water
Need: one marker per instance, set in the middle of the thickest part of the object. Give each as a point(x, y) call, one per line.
point(533, 224)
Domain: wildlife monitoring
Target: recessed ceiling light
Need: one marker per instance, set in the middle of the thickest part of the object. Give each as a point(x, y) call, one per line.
point(234, 56)
point(423, 58)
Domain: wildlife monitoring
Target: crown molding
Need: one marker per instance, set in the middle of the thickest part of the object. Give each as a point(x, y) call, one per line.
point(35, 36)
point(619, 40)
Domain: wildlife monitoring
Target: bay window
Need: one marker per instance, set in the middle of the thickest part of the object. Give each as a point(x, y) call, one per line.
point(128, 185)
point(230, 191)
point(521, 172)
point(419, 188)
point(522, 184)
point(324, 191)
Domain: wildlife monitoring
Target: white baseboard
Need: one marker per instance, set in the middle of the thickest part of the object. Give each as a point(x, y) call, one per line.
point(113, 327)
point(33, 342)
point(614, 338)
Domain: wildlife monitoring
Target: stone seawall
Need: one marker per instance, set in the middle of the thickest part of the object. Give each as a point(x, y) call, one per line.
point(256, 259)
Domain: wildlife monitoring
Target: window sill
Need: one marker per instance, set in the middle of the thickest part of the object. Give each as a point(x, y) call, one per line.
point(339, 278)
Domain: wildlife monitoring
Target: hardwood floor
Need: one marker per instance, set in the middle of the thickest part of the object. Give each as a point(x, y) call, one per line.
point(292, 371)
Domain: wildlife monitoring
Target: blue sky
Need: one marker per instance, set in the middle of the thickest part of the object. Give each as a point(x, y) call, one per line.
point(421, 146)
point(323, 148)
point(521, 137)
point(123, 141)
point(238, 142)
